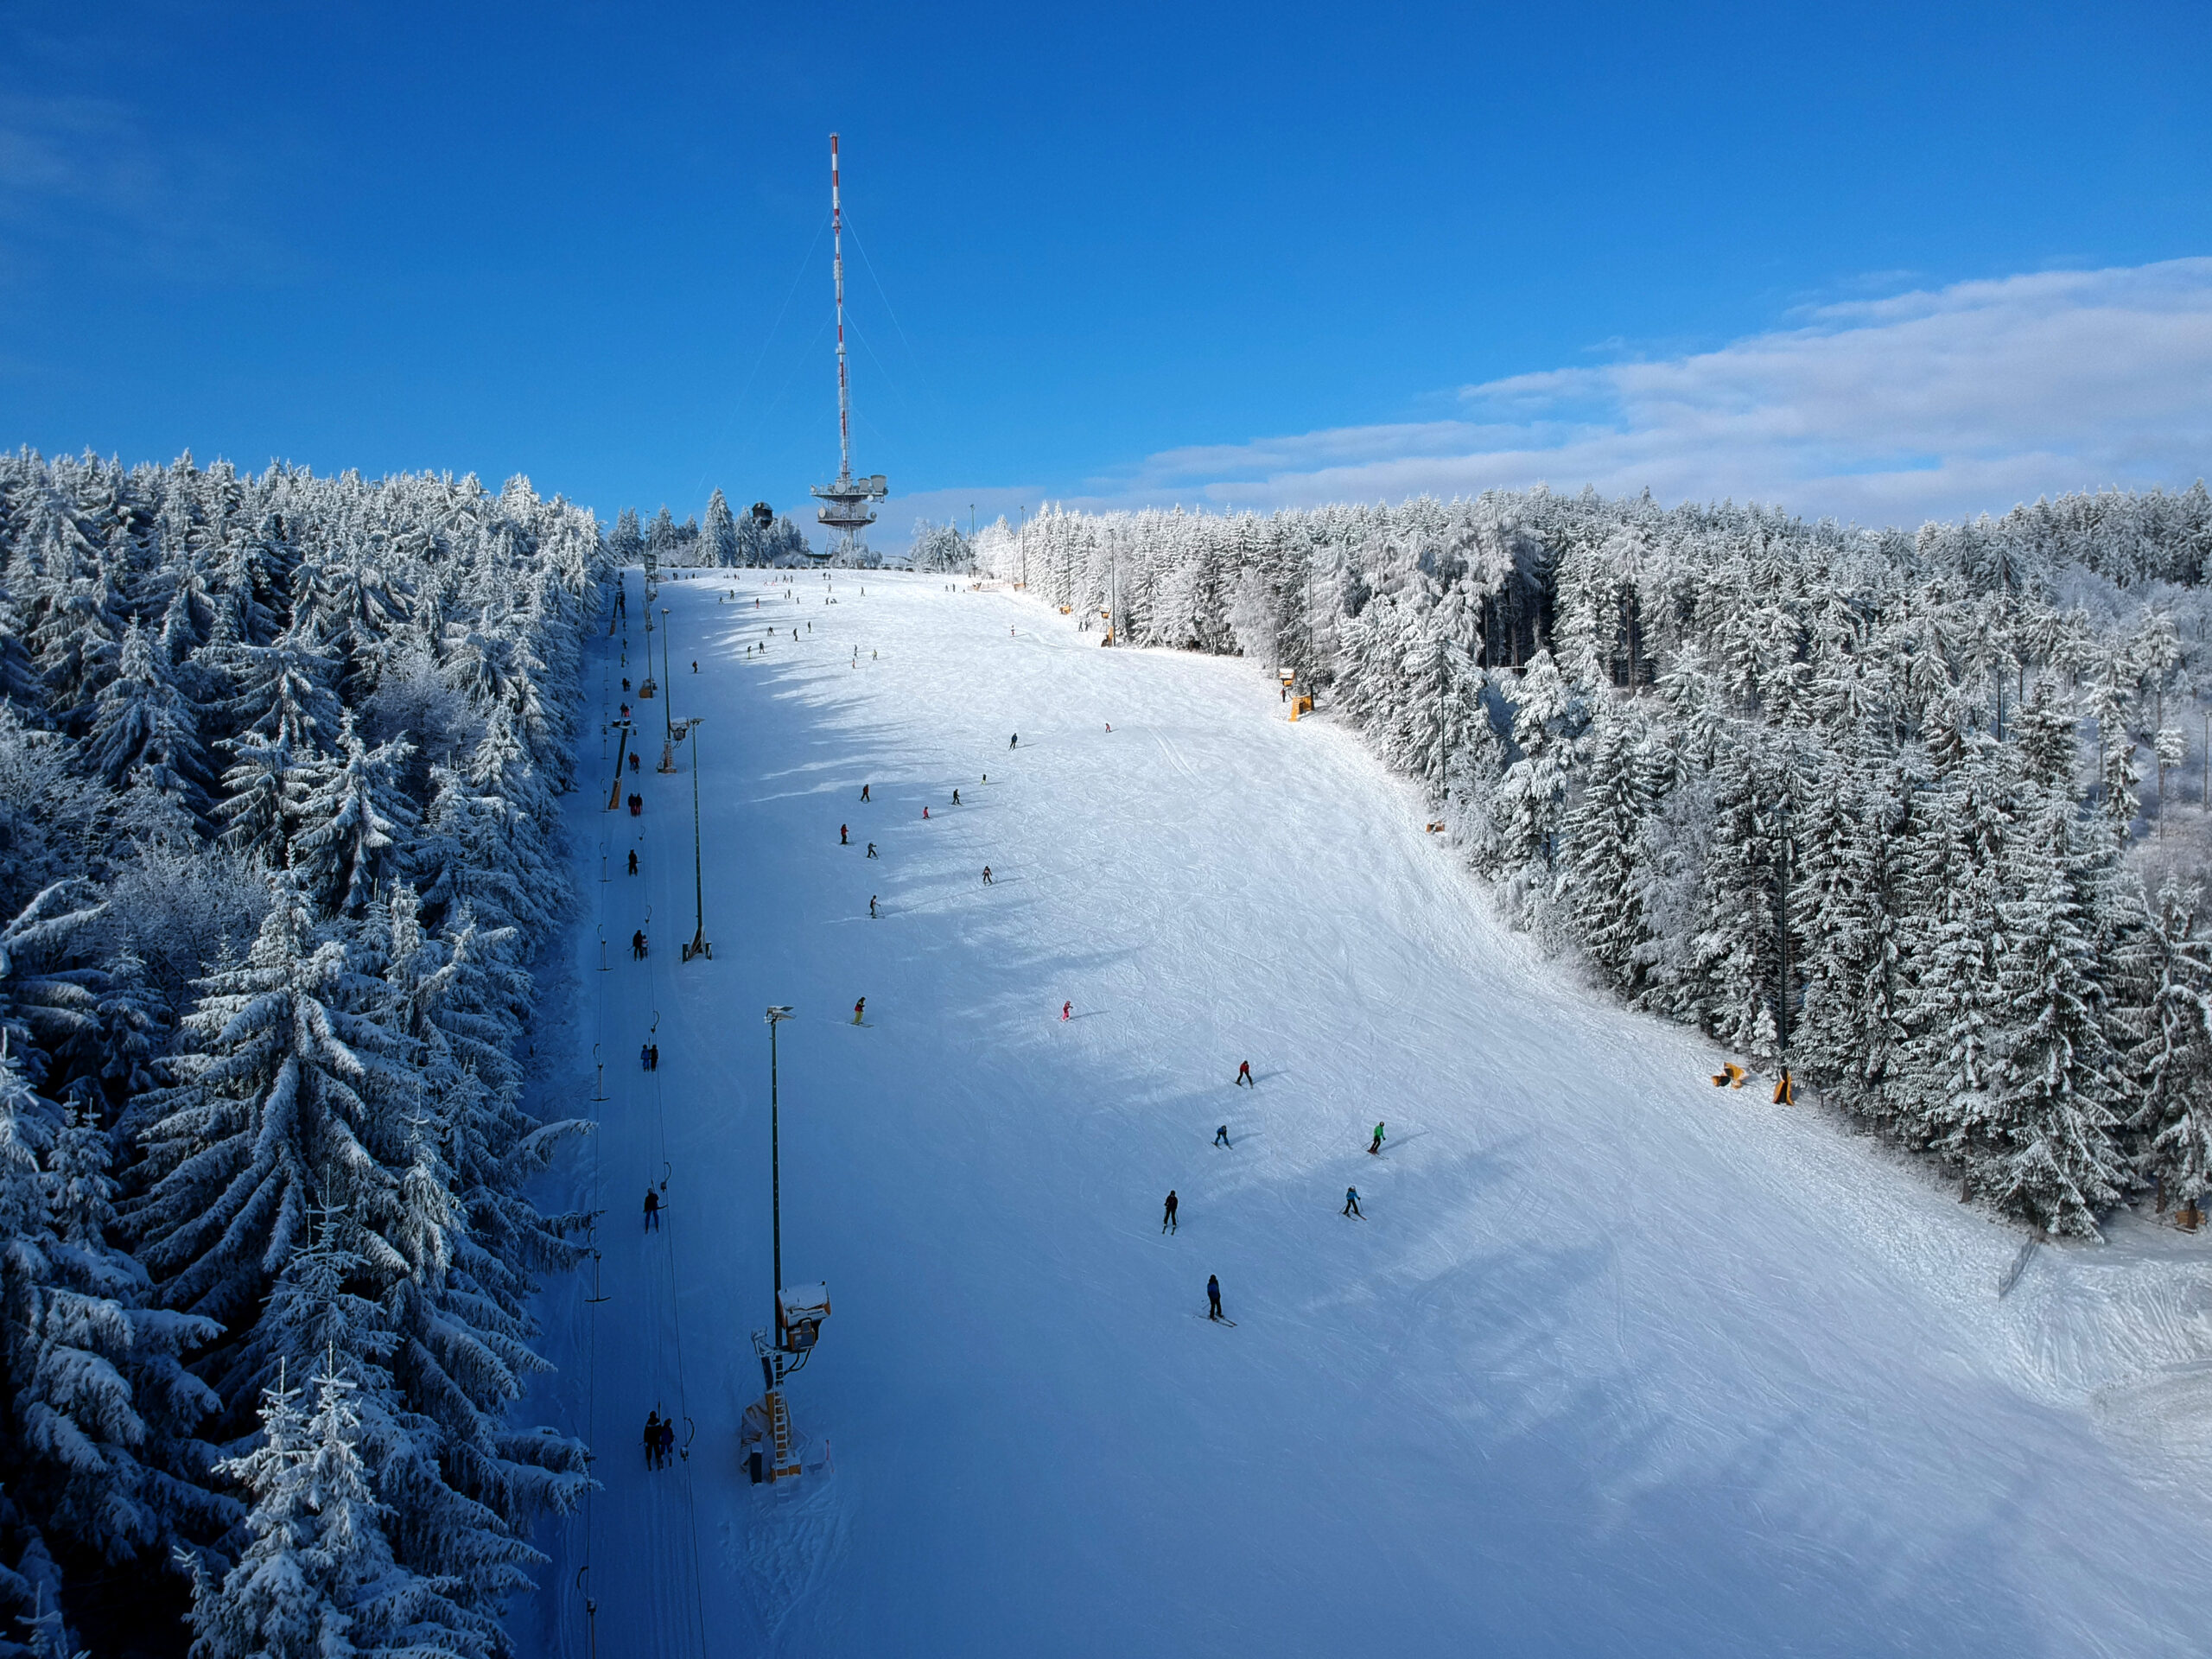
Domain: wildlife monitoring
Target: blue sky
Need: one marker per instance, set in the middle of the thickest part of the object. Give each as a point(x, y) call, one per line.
point(1876, 260)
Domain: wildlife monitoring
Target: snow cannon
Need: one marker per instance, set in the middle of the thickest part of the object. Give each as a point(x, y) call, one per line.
point(800, 1310)
point(648, 688)
point(1730, 1076)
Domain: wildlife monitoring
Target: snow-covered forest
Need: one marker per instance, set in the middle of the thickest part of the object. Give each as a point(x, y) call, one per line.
point(1917, 815)
point(279, 761)
point(723, 540)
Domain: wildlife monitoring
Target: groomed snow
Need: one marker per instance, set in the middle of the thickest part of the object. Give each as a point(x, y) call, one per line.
point(1616, 1362)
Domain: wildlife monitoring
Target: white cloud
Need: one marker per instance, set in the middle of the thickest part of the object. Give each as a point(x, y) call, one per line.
point(1930, 404)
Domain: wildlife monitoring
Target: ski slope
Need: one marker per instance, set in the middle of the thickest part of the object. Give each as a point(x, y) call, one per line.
point(1616, 1363)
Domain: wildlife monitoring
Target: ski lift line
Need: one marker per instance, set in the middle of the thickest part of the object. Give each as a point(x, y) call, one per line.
point(676, 1314)
point(766, 340)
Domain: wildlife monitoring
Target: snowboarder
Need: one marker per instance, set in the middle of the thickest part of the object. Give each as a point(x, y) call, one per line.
point(637, 945)
point(625, 686)
point(841, 839)
point(1377, 1144)
point(859, 1007)
point(653, 1439)
point(987, 875)
point(863, 791)
point(870, 901)
point(1167, 1216)
point(1221, 1135)
point(634, 860)
point(871, 849)
point(1213, 1297)
point(1244, 1074)
point(1351, 1204)
point(652, 1210)
point(1067, 1010)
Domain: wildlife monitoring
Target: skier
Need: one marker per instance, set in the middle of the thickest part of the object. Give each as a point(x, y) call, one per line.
point(987, 875)
point(1067, 1010)
point(1244, 1075)
point(1109, 725)
point(634, 763)
point(870, 901)
point(667, 1439)
point(645, 1055)
point(1167, 1216)
point(1213, 1297)
point(694, 664)
point(625, 686)
point(955, 797)
point(652, 1058)
point(926, 815)
point(1221, 1135)
point(871, 849)
point(637, 945)
point(653, 1439)
point(652, 1210)
point(1377, 1145)
point(637, 806)
point(634, 860)
point(841, 840)
point(863, 791)
point(1351, 1204)
point(859, 1007)
point(1015, 741)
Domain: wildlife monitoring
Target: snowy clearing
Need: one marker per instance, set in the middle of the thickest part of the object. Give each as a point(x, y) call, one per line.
point(1615, 1362)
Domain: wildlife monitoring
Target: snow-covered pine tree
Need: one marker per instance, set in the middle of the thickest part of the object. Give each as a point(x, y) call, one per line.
point(1733, 976)
point(1598, 878)
point(2169, 1072)
point(1548, 722)
point(2044, 1148)
point(142, 721)
point(718, 533)
point(354, 826)
point(318, 1580)
point(287, 1092)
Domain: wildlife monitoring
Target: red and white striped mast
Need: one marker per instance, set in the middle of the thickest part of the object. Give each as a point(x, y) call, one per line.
point(837, 264)
point(848, 511)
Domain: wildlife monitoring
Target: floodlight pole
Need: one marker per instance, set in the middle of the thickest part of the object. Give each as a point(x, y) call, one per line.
point(776, 1017)
point(698, 947)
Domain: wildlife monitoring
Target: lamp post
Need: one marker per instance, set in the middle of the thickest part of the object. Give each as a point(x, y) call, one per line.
point(776, 1017)
point(698, 947)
